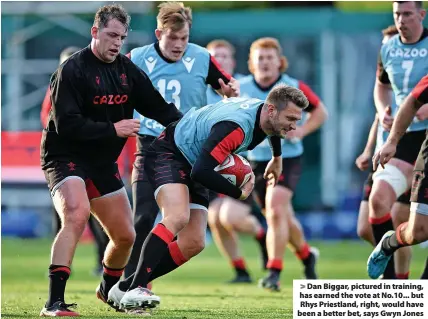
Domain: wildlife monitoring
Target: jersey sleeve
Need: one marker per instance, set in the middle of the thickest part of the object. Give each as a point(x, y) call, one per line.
point(215, 72)
point(314, 100)
point(46, 107)
point(150, 103)
point(67, 105)
point(224, 138)
point(381, 74)
point(420, 92)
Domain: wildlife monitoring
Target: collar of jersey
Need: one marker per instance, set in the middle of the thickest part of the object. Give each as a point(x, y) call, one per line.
point(266, 89)
point(158, 50)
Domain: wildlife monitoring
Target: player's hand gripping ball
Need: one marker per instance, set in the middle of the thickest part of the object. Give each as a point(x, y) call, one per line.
point(235, 169)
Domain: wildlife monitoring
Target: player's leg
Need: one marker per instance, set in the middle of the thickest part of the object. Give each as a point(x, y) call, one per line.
point(101, 240)
point(409, 233)
point(306, 254)
point(388, 185)
point(145, 208)
point(364, 229)
point(225, 235)
point(403, 256)
point(70, 200)
point(110, 205)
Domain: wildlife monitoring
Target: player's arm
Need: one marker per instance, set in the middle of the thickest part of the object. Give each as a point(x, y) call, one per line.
point(407, 111)
point(67, 104)
point(150, 103)
point(382, 91)
point(224, 138)
point(46, 107)
point(221, 81)
point(316, 109)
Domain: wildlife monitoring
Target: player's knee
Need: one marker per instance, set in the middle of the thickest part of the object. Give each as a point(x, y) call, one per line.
point(195, 245)
point(277, 203)
point(76, 215)
point(379, 202)
point(124, 239)
point(364, 231)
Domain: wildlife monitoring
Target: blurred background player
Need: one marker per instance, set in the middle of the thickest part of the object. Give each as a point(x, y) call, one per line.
point(228, 217)
point(414, 231)
point(400, 71)
point(400, 210)
point(267, 65)
point(100, 236)
point(181, 71)
point(224, 53)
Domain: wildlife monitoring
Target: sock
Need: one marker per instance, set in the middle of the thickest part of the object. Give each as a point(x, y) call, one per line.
point(171, 260)
point(240, 267)
point(304, 253)
point(261, 239)
point(403, 276)
point(110, 277)
point(275, 265)
point(58, 276)
point(425, 273)
point(380, 226)
point(154, 248)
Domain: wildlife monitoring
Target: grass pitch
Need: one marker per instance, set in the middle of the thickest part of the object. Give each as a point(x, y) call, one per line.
point(196, 290)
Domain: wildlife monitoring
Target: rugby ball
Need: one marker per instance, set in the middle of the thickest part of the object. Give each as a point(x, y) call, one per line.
point(235, 169)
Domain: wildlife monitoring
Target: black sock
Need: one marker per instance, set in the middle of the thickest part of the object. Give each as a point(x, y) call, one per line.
point(425, 273)
point(170, 261)
point(110, 278)
point(154, 248)
point(58, 276)
point(261, 239)
point(380, 227)
point(391, 244)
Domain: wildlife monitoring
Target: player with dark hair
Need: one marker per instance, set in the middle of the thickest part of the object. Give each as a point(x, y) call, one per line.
point(401, 208)
point(415, 230)
point(403, 61)
point(100, 236)
point(267, 65)
point(94, 94)
point(182, 72)
point(180, 166)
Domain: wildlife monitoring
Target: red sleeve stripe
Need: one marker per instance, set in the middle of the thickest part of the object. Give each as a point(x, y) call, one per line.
point(420, 92)
point(219, 68)
point(227, 145)
point(46, 107)
point(314, 100)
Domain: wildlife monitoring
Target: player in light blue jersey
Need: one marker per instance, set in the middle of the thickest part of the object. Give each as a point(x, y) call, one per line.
point(400, 209)
point(181, 71)
point(180, 166)
point(228, 217)
point(267, 65)
point(403, 61)
point(224, 52)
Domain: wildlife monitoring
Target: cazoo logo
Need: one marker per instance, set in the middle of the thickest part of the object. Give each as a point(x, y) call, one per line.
point(110, 99)
point(408, 52)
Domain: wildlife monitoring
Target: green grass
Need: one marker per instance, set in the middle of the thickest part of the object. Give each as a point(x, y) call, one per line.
point(197, 290)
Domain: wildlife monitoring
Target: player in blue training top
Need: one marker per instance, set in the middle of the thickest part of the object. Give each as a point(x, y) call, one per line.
point(416, 230)
point(224, 53)
point(181, 71)
point(403, 61)
point(400, 209)
point(267, 65)
point(239, 216)
point(180, 166)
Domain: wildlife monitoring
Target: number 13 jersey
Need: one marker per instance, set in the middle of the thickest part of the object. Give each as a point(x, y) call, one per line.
point(183, 82)
point(403, 66)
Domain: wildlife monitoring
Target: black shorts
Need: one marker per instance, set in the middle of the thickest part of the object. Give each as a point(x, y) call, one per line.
point(143, 143)
point(420, 181)
point(367, 189)
point(291, 172)
point(409, 146)
point(164, 164)
point(100, 180)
